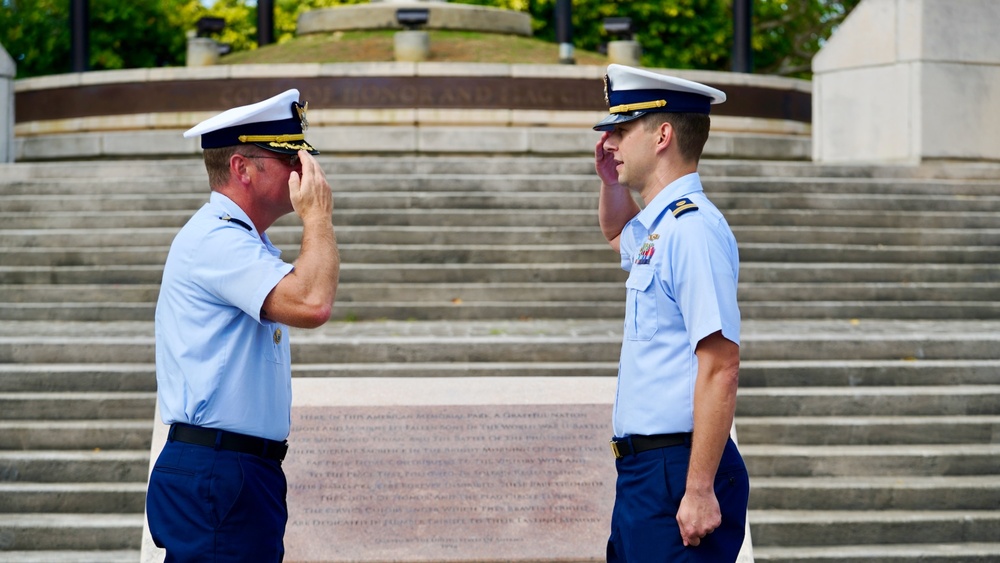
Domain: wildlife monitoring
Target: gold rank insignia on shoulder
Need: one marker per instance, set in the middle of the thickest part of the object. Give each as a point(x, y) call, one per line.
point(682, 206)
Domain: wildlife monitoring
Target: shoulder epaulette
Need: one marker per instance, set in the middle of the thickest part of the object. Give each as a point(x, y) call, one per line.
point(243, 224)
point(682, 206)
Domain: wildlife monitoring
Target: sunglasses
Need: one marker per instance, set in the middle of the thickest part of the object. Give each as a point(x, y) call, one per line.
point(291, 159)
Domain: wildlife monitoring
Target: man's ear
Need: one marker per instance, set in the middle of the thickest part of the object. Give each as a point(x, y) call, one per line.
point(664, 136)
point(239, 168)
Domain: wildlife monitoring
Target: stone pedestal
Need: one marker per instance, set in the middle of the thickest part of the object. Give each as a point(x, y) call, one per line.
point(904, 81)
point(202, 51)
point(7, 72)
point(626, 52)
point(412, 46)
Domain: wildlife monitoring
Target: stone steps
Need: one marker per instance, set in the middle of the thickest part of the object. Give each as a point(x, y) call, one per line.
point(869, 405)
point(760, 272)
point(982, 552)
point(116, 533)
point(974, 493)
point(836, 529)
point(506, 235)
point(74, 556)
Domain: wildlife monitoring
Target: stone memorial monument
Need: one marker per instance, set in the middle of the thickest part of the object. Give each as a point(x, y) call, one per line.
point(8, 70)
point(906, 81)
point(447, 470)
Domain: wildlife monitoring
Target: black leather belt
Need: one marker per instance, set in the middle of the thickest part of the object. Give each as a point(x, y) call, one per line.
point(631, 445)
point(225, 440)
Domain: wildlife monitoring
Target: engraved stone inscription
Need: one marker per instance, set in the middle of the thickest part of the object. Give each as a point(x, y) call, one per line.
point(449, 483)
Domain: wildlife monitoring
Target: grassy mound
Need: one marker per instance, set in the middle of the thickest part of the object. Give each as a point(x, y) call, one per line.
point(377, 46)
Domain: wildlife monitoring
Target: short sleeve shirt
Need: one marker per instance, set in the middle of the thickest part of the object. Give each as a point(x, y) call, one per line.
point(683, 272)
point(218, 363)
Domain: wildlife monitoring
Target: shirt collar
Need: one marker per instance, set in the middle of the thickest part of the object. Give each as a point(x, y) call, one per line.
point(683, 186)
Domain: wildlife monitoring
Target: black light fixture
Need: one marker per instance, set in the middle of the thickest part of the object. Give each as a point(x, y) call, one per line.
point(619, 28)
point(412, 18)
point(208, 25)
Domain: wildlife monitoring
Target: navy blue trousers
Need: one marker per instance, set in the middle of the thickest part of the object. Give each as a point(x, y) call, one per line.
point(216, 506)
point(650, 487)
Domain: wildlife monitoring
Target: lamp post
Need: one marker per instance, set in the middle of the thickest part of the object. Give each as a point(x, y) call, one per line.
point(564, 31)
point(742, 31)
point(414, 44)
point(265, 22)
point(624, 50)
point(79, 32)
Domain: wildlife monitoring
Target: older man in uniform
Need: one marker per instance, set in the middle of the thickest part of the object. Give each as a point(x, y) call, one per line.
point(682, 487)
point(217, 490)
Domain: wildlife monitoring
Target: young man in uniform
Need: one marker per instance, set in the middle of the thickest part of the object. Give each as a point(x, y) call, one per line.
point(682, 486)
point(217, 490)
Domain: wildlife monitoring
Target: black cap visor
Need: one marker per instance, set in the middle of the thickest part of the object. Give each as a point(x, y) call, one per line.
point(609, 122)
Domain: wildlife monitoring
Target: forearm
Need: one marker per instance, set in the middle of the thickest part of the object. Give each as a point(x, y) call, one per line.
point(319, 263)
point(304, 298)
point(615, 209)
point(714, 410)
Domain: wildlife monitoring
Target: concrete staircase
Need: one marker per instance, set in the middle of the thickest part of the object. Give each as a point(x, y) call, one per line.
point(869, 411)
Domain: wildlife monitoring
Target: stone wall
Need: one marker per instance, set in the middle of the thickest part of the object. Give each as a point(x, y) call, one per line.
point(910, 80)
point(425, 107)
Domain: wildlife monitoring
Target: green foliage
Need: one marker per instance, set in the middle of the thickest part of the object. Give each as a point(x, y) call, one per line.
point(672, 33)
point(36, 33)
point(699, 33)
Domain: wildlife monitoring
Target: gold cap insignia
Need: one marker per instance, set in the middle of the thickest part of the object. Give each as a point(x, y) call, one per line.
point(302, 115)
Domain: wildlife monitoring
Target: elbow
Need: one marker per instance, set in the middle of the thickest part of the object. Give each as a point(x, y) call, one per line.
point(317, 315)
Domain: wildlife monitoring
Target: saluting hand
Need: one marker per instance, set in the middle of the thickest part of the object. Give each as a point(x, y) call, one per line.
point(605, 163)
point(310, 194)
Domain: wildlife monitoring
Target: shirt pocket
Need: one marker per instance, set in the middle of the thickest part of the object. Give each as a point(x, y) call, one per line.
point(275, 337)
point(640, 307)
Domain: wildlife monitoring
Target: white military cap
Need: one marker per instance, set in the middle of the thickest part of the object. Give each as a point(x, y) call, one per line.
point(632, 93)
point(277, 124)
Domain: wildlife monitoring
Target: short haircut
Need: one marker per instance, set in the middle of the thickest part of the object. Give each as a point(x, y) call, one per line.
point(691, 130)
point(217, 163)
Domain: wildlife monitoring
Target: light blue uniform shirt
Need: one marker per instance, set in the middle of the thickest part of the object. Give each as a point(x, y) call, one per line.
point(218, 364)
point(681, 288)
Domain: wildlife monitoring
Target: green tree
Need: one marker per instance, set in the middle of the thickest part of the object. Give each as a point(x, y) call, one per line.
point(36, 35)
point(673, 33)
point(699, 33)
point(122, 34)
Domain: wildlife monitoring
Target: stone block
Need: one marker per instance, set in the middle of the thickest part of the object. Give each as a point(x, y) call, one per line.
point(149, 143)
point(562, 140)
point(374, 139)
point(472, 140)
point(62, 146)
point(903, 81)
point(472, 117)
point(289, 70)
